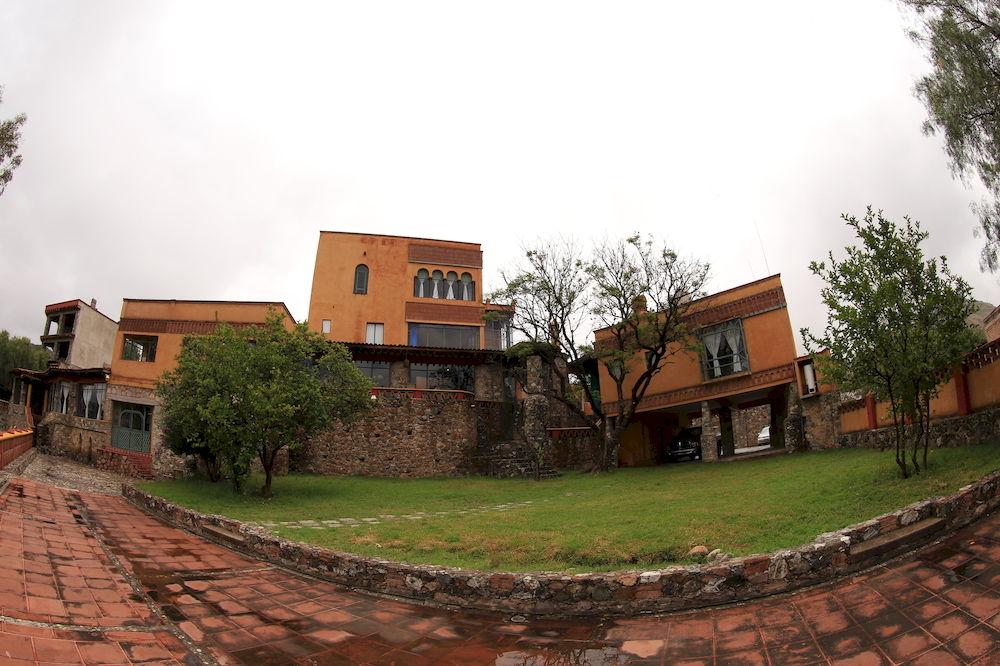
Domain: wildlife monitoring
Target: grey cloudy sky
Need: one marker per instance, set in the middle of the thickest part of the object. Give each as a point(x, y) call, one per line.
point(194, 150)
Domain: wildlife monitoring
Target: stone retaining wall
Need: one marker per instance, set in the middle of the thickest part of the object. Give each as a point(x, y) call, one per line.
point(829, 556)
point(975, 428)
point(410, 433)
point(4, 408)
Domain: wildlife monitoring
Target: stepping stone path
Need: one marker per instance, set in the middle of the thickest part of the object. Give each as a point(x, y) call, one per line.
point(334, 523)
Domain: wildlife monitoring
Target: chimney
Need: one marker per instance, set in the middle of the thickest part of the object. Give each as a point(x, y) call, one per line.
point(93, 303)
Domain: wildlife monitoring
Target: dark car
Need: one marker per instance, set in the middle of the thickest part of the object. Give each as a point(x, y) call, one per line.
point(687, 444)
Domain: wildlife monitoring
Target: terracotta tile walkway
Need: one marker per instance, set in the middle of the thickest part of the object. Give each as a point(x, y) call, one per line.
point(88, 578)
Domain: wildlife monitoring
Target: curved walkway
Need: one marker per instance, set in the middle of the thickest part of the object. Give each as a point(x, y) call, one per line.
point(87, 578)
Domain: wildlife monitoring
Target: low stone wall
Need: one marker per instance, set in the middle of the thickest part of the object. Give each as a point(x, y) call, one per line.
point(17, 416)
point(573, 448)
point(72, 436)
point(976, 428)
point(410, 433)
point(621, 593)
point(4, 408)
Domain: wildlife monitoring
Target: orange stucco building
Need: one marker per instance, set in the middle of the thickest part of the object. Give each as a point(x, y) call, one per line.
point(149, 338)
point(410, 309)
point(747, 359)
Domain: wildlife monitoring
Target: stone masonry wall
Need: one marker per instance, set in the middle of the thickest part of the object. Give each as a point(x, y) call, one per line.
point(4, 408)
point(410, 433)
point(829, 556)
point(17, 416)
point(72, 436)
point(976, 428)
point(820, 420)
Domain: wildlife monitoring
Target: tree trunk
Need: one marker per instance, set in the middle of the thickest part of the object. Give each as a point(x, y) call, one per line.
point(267, 459)
point(897, 431)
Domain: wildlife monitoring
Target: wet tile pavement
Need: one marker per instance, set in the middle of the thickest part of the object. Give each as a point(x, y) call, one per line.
point(87, 578)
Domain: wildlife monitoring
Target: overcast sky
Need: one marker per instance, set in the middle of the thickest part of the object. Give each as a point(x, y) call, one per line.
point(195, 150)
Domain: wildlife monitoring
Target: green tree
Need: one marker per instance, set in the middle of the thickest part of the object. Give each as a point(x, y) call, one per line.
point(962, 96)
point(896, 324)
point(18, 352)
point(245, 393)
point(637, 289)
point(10, 136)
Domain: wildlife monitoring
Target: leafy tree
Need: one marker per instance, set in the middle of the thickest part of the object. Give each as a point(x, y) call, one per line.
point(559, 292)
point(10, 136)
point(249, 392)
point(18, 352)
point(962, 96)
point(895, 325)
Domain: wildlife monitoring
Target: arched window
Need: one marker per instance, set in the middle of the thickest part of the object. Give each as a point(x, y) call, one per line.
point(468, 288)
point(421, 284)
point(437, 290)
point(361, 279)
point(452, 292)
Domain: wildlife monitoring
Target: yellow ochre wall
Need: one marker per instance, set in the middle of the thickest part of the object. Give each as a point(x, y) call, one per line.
point(390, 286)
point(768, 337)
point(168, 345)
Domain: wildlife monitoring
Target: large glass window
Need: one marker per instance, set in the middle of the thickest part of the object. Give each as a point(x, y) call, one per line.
point(90, 401)
point(377, 371)
point(498, 333)
point(439, 376)
point(725, 351)
point(361, 279)
point(375, 334)
point(440, 335)
point(139, 348)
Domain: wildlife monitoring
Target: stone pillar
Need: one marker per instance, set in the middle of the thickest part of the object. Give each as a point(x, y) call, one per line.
point(535, 375)
point(795, 421)
point(708, 451)
point(489, 382)
point(726, 429)
point(399, 374)
point(782, 401)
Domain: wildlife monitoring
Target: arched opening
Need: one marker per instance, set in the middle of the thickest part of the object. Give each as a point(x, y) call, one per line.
point(361, 279)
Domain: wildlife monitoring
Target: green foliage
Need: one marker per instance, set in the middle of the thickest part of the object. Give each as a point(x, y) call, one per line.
point(962, 38)
point(245, 393)
point(18, 352)
point(10, 136)
point(648, 517)
point(896, 324)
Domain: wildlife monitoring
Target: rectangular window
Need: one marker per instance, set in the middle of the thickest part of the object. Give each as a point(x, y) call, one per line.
point(436, 335)
point(326, 325)
point(139, 348)
point(68, 322)
point(725, 351)
point(498, 333)
point(377, 371)
point(90, 401)
point(437, 376)
point(375, 334)
point(51, 326)
point(59, 397)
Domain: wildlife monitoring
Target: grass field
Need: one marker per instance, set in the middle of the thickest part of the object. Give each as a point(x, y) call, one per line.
point(635, 518)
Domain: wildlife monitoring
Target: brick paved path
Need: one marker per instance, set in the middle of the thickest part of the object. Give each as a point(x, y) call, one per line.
point(88, 578)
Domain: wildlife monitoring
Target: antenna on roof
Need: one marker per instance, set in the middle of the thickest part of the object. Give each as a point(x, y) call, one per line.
point(760, 240)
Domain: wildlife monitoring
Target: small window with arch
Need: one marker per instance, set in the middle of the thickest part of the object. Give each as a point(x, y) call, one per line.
point(361, 279)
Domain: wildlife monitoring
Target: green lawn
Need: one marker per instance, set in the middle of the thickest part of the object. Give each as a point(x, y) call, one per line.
point(636, 518)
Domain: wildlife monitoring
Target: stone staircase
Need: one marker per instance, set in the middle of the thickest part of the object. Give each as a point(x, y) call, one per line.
point(513, 459)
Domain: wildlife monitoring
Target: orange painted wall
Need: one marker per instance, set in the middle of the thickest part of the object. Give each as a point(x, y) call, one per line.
point(768, 337)
point(168, 345)
point(984, 386)
point(854, 420)
point(390, 285)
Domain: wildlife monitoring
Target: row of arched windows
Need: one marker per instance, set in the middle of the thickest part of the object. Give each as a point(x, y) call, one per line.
point(450, 286)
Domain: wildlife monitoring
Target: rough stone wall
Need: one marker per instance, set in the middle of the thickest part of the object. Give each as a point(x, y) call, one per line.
point(409, 434)
point(489, 382)
point(747, 424)
point(72, 436)
point(17, 416)
point(574, 448)
point(820, 420)
point(976, 428)
point(4, 409)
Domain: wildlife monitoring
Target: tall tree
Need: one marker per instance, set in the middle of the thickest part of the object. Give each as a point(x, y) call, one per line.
point(962, 96)
point(18, 352)
point(10, 136)
point(246, 393)
point(895, 325)
point(638, 290)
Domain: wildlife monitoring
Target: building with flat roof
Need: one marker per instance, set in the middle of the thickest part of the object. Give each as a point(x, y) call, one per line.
point(78, 335)
point(410, 309)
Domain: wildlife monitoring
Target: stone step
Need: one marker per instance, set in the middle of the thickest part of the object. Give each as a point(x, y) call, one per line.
point(896, 540)
point(223, 534)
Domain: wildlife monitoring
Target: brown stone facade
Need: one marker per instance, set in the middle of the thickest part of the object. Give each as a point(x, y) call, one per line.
point(829, 556)
point(163, 463)
point(72, 436)
point(4, 409)
point(410, 433)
